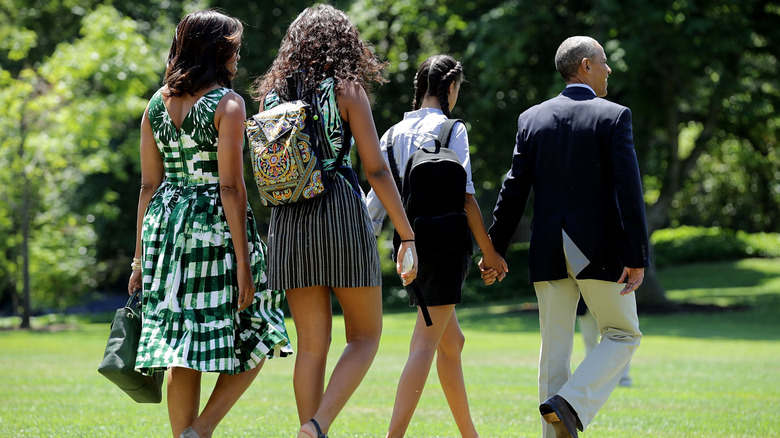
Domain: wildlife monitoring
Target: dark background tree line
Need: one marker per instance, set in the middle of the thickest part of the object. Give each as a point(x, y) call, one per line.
point(701, 79)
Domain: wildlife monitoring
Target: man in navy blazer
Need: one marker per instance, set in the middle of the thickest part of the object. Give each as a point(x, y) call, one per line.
point(589, 232)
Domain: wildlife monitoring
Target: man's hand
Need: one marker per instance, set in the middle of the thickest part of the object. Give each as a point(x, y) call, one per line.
point(633, 278)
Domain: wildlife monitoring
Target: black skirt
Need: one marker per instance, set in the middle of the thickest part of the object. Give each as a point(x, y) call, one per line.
point(441, 279)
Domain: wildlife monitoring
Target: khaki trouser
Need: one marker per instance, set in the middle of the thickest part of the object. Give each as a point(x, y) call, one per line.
point(597, 376)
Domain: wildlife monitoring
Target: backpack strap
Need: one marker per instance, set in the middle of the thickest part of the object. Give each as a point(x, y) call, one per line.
point(391, 159)
point(446, 131)
point(421, 303)
point(312, 99)
point(346, 145)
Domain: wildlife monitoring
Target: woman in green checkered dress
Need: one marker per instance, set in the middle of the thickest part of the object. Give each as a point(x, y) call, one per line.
point(201, 263)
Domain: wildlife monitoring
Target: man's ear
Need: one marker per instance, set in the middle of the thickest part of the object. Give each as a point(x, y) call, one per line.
point(585, 64)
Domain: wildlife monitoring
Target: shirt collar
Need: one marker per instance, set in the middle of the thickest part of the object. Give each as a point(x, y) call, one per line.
point(422, 112)
point(581, 86)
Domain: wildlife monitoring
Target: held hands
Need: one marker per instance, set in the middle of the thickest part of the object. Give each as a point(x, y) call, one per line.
point(492, 267)
point(633, 278)
point(407, 271)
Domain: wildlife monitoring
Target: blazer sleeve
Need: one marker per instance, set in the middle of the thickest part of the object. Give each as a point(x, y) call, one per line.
point(628, 189)
point(513, 197)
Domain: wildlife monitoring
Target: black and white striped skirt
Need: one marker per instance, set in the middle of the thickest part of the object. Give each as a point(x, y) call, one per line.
point(325, 242)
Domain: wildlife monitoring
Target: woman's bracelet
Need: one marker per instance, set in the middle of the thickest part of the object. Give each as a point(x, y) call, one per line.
point(407, 240)
point(136, 265)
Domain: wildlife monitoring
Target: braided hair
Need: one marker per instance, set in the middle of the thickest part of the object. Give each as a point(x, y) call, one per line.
point(434, 77)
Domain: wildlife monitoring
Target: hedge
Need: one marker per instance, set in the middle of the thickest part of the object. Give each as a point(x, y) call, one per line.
point(688, 244)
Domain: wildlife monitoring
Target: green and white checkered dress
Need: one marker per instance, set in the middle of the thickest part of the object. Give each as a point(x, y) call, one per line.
point(189, 268)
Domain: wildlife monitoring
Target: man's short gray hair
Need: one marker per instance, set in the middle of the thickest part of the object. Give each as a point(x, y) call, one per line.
point(571, 52)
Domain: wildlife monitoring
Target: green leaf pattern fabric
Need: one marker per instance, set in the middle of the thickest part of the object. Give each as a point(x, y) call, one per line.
point(189, 268)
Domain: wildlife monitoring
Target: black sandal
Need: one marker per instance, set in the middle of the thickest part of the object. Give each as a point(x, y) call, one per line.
point(317, 426)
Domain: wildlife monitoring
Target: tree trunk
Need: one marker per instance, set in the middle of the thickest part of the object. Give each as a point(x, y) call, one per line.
point(25, 252)
point(25, 206)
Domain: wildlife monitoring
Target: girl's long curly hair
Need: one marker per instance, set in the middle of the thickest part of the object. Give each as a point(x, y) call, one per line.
point(203, 44)
point(322, 42)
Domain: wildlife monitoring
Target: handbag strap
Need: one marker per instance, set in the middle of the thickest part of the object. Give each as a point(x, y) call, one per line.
point(132, 297)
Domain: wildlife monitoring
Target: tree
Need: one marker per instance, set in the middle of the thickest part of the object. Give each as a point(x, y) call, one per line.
point(63, 108)
point(712, 69)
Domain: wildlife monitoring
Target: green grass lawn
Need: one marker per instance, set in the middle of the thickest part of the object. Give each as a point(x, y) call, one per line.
point(696, 374)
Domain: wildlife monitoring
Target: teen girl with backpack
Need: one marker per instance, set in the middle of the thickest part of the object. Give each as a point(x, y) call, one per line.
point(440, 280)
point(326, 243)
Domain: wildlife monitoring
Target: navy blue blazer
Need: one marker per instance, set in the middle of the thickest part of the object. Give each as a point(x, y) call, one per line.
point(576, 151)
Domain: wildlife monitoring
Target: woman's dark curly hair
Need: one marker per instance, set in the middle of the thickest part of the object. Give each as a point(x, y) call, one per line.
point(203, 44)
point(434, 77)
point(322, 42)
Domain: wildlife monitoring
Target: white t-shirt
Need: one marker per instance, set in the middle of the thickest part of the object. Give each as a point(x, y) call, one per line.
point(419, 129)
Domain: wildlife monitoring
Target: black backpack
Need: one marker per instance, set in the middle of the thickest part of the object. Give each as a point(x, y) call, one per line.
point(433, 194)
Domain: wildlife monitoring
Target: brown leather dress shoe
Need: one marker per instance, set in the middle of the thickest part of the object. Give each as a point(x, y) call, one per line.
point(557, 412)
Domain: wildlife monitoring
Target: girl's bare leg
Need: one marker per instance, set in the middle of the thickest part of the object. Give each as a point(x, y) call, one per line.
point(363, 323)
point(311, 311)
point(450, 370)
point(425, 341)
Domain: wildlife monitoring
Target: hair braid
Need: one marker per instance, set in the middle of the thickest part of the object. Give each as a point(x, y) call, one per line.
point(444, 98)
point(420, 85)
point(434, 78)
point(444, 88)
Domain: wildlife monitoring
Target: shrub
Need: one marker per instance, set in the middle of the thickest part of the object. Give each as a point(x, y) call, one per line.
point(688, 244)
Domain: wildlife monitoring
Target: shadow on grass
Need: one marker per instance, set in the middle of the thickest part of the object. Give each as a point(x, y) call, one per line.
point(755, 317)
point(719, 275)
point(510, 317)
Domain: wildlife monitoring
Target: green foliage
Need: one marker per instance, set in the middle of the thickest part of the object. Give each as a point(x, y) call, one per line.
point(68, 105)
point(736, 187)
point(711, 67)
point(674, 246)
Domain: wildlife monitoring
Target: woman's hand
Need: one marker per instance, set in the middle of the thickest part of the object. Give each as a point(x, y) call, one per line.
point(246, 287)
point(409, 275)
point(136, 282)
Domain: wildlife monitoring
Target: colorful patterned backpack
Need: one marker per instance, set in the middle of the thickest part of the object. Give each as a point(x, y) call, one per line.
point(286, 144)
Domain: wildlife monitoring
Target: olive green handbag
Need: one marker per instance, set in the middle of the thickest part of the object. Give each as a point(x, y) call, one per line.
point(118, 363)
